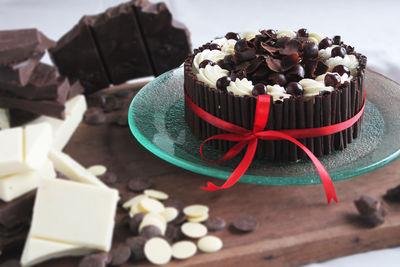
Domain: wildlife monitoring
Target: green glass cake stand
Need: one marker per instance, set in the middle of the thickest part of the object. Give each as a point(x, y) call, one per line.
point(156, 119)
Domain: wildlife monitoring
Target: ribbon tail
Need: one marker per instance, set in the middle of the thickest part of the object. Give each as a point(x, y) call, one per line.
point(240, 169)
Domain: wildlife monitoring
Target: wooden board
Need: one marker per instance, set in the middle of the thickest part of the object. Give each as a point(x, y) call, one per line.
point(296, 224)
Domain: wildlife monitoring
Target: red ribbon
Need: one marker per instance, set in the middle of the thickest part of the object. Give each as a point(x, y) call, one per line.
point(249, 138)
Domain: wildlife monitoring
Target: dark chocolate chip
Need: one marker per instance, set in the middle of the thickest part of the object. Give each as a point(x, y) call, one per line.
point(325, 43)
point(393, 194)
point(294, 88)
point(245, 223)
point(232, 35)
point(95, 260)
point(332, 79)
point(259, 89)
point(139, 184)
point(109, 178)
point(206, 62)
point(214, 46)
point(302, 33)
point(277, 78)
point(310, 50)
point(122, 120)
point(338, 52)
point(295, 74)
point(135, 221)
point(150, 231)
point(120, 255)
point(341, 69)
point(136, 245)
point(336, 40)
point(173, 233)
point(215, 223)
point(223, 83)
point(95, 116)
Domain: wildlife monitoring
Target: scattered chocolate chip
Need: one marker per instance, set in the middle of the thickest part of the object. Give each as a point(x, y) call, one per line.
point(215, 223)
point(136, 244)
point(245, 223)
point(11, 263)
point(294, 88)
point(336, 40)
point(135, 221)
point(223, 83)
point(122, 120)
point(259, 89)
point(338, 52)
point(95, 260)
point(139, 184)
point(341, 69)
point(150, 231)
point(120, 255)
point(393, 194)
point(109, 178)
point(332, 79)
point(295, 74)
point(206, 62)
point(371, 210)
point(214, 46)
point(310, 50)
point(173, 233)
point(302, 33)
point(277, 78)
point(325, 43)
point(95, 116)
point(232, 35)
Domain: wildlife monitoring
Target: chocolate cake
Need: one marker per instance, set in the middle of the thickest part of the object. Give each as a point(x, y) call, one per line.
point(313, 82)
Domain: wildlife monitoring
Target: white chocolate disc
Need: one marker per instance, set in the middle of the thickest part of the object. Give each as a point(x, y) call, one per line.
point(170, 213)
point(209, 244)
point(153, 219)
point(183, 250)
point(148, 205)
point(156, 194)
point(157, 251)
point(197, 219)
point(97, 170)
point(133, 202)
point(193, 230)
point(195, 210)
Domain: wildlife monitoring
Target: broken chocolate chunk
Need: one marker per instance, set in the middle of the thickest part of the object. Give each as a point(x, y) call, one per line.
point(393, 194)
point(19, 73)
point(371, 210)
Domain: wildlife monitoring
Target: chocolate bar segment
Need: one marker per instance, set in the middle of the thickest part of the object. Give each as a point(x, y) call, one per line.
point(77, 57)
point(167, 40)
point(20, 72)
point(120, 43)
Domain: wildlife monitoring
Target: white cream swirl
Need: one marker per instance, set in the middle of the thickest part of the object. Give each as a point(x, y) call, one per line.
point(227, 46)
point(207, 54)
point(285, 33)
point(249, 35)
point(240, 87)
point(210, 74)
point(315, 37)
point(349, 61)
point(326, 53)
point(277, 92)
point(343, 78)
point(312, 87)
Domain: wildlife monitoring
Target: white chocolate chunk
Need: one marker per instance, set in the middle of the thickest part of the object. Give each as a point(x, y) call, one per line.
point(74, 213)
point(148, 205)
point(155, 194)
point(12, 156)
point(183, 250)
point(195, 210)
point(209, 244)
point(14, 186)
point(97, 170)
point(193, 230)
point(72, 169)
point(4, 119)
point(38, 141)
point(155, 220)
point(198, 219)
point(38, 250)
point(158, 251)
point(133, 202)
point(170, 213)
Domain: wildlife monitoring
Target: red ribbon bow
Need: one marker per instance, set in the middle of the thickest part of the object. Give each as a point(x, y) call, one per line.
point(249, 138)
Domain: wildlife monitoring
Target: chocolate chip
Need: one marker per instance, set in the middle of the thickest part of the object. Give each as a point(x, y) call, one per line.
point(393, 194)
point(95, 260)
point(325, 43)
point(136, 244)
point(150, 231)
point(338, 52)
point(223, 82)
point(214, 46)
point(332, 79)
point(295, 74)
point(120, 255)
point(371, 210)
point(139, 184)
point(206, 62)
point(95, 116)
point(276, 78)
point(302, 33)
point(109, 178)
point(310, 50)
point(336, 40)
point(11, 263)
point(232, 35)
point(135, 221)
point(122, 120)
point(259, 89)
point(215, 223)
point(341, 69)
point(294, 88)
point(173, 233)
point(245, 223)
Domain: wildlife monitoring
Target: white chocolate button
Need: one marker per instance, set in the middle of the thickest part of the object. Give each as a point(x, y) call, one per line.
point(148, 205)
point(314, 40)
point(155, 194)
point(198, 219)
point(183, 250)
point(195, 210)
point(170, 213)
point(209, 244)
point(133, 202)
point(154, 219)
point(97, 170)
point(315, 36)
point(157, 251)
point(193, 230)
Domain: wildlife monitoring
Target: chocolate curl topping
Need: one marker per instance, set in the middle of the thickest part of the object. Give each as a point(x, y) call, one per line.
point(290, 61)
point(274, 64)
point(270, 49)
point(291, 47)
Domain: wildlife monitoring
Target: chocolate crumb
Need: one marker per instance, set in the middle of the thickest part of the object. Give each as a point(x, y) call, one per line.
point(245, 224)
point(120, 255)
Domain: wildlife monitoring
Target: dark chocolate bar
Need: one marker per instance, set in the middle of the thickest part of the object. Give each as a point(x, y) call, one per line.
point(77, 57)
point(120, 43)
point(167, 40)
point(76, 89)
point(19, 72)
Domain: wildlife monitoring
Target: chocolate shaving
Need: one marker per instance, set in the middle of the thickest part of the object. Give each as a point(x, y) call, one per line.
point(291, 47)
point(290, 61)
point(274, 64)
point(270, 49)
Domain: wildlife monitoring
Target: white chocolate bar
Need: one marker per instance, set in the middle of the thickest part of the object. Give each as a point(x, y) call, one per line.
point(72, 169)
point(74, 213)
point(4, 119)
point(14, 186)
point(12, 151)
point(38, 141)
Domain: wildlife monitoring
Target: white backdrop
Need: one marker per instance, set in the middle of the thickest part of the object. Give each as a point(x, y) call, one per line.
point(371, 26)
